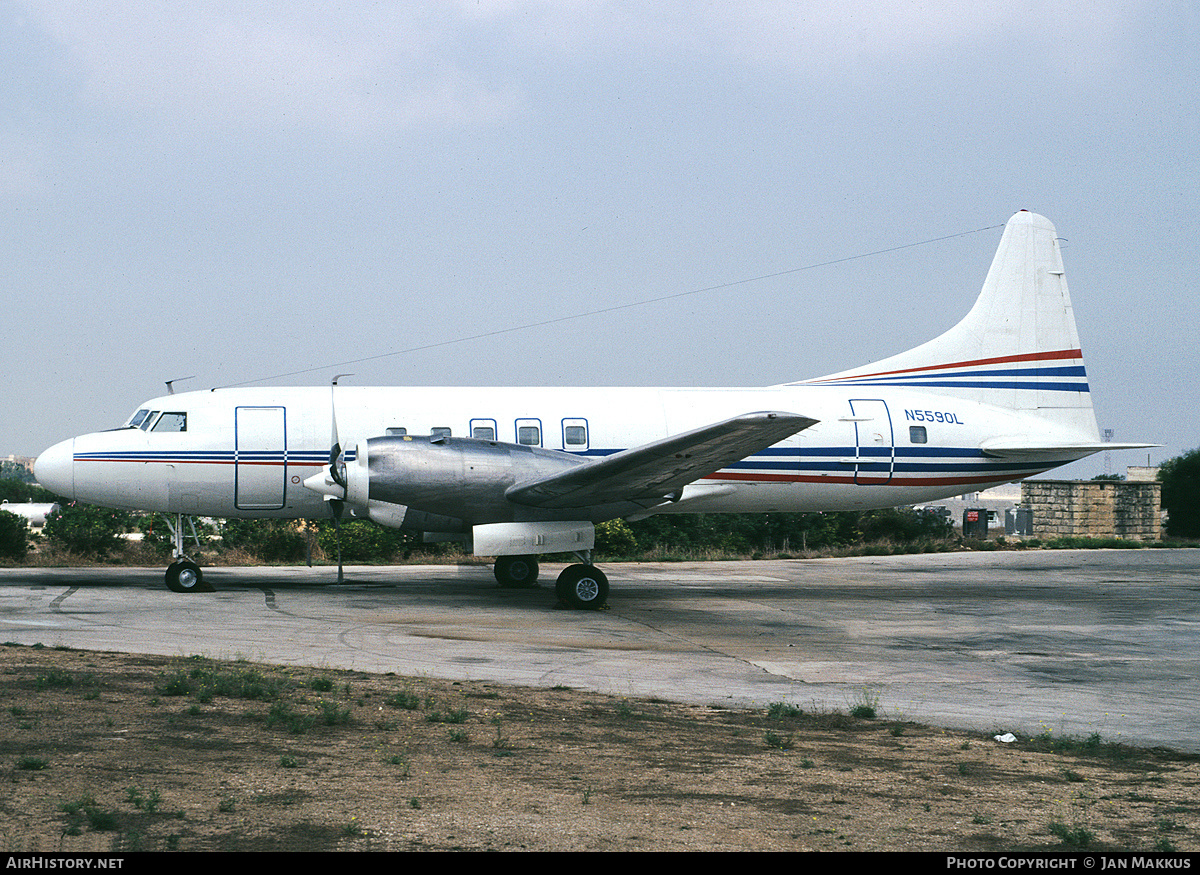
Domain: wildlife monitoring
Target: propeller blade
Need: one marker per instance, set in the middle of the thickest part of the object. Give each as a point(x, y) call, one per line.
point(336, 464)
point(337, 472)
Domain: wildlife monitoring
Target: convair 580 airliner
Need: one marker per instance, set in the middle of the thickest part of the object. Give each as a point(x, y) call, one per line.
point(520, 472)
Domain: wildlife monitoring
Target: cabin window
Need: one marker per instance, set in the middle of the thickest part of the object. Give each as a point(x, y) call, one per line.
point(483, 429)
point(171, 422)
point(440, 431)
point(396, 431)
point(917, 435)
point(529, 433)
point(575, 434)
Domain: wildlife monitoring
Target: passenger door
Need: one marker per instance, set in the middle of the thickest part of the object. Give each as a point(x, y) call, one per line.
point(875, 448)
point(260, 458)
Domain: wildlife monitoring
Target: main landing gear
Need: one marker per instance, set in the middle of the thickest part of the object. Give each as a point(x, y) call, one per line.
point(516, 572)
point(184, 575)
point(582, 585)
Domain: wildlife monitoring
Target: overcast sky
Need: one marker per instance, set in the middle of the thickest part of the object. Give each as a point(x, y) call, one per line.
point(237, 190)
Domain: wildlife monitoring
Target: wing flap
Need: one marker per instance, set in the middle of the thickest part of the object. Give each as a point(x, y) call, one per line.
point(649, 474)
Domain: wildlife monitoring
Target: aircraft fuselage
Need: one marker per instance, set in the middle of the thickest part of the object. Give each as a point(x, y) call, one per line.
point(247, 452)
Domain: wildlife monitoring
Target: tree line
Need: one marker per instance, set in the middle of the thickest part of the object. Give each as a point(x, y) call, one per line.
point(96, 533)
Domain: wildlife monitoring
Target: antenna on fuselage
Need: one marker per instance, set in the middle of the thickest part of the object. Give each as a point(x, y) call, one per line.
point(171, 388)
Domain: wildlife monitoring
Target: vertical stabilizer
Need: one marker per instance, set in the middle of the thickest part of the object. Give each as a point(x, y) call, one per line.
point(1017, 348)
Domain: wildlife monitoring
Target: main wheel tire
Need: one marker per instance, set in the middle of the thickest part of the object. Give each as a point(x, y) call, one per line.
point(582, 586)
point(184, 577)
point(516, 572)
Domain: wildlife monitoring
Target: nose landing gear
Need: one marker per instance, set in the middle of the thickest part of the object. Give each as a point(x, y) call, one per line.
point(184, 575)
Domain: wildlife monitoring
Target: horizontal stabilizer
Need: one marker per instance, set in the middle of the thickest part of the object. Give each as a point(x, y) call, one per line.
point(652, 472)
point(1014, 450)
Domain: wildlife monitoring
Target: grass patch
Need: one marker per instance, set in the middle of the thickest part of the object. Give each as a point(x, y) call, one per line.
point(142, 801)
point(1091, 745)
point(1072, 836)
point(54, 679)
point(452, 715)
point(295, 722)
point(782, 711)
point(205, 683)
point(778, 741)
point(86, 809)
point(865, 709)
point(332, 714)
point(405, 699)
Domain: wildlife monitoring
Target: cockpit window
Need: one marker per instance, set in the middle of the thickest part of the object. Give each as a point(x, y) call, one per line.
point(171, 422)
point(148, 420)
point(136, 419)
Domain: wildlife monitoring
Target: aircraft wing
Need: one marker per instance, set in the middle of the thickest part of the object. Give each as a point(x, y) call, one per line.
point(651, 473)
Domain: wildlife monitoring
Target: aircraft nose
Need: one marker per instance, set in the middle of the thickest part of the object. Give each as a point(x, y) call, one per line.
point(55, 469)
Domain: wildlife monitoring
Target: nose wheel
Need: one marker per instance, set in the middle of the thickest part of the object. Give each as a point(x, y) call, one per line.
point(184, 576)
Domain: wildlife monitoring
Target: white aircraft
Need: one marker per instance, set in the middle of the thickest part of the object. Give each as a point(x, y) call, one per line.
point(520, 472)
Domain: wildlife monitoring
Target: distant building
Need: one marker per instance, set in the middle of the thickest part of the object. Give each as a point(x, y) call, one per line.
point(1141, 473)
point(17, 468)
point(995, 501)
point(1127, 509)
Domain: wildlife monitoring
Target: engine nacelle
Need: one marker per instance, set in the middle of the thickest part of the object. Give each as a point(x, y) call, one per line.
point(462, 478)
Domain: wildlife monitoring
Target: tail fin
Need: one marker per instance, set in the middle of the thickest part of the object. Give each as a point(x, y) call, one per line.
point(1017, 348)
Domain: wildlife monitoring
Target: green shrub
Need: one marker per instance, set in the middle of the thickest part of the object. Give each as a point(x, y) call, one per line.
point(18, 491)
point(157, 534)
point(755, 533)
point(363, 541)
point(87, 529)
point(615, 538)
point(14, 536)
point(1180, 478)
point(901, 525)
point(269, 540)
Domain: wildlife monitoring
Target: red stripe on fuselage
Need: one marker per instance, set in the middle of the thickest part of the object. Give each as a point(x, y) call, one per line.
point(1056, 355)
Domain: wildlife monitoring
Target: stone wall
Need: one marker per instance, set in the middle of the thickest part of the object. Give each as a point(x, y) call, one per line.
point(1094, 509)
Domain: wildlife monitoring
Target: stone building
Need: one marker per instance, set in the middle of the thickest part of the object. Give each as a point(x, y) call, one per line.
point(1094, 508)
